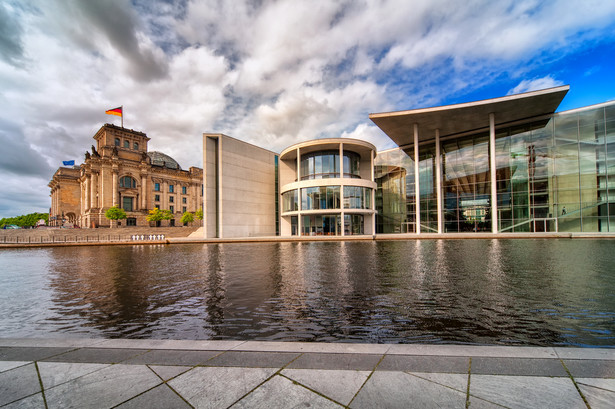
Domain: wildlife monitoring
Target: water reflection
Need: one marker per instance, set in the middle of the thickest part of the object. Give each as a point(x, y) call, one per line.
point(530, 292)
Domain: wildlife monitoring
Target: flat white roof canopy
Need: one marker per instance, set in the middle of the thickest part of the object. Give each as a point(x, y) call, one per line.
point(467, 117)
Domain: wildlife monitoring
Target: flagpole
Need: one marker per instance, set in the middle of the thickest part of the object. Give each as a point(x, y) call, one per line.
point(122, 116)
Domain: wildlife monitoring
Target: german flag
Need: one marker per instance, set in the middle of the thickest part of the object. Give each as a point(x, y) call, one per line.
point(115, 111)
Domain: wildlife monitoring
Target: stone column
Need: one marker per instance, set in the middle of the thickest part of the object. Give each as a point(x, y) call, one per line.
point(87, 192)
point(94, 185)
point(143, 192)
point(164, 189)
point(114, 187)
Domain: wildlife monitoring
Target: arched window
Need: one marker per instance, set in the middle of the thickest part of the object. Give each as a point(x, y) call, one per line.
point(135, 146)
point(127, 181)
point(117, 141)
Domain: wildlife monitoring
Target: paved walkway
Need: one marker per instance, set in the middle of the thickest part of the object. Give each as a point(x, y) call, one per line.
point(82, 373)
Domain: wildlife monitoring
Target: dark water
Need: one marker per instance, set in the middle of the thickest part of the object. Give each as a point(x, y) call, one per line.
point(514, 292)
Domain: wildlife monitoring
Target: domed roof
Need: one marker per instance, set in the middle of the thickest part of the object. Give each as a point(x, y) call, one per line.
point(162, 159)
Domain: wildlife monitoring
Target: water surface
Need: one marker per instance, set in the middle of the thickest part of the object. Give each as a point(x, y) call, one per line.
point(511, 292)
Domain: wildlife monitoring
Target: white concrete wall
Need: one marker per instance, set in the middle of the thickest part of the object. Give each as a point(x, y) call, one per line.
point(246, 188)
point(209, 190)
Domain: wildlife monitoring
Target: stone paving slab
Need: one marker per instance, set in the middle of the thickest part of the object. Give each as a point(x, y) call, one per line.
point(161, 397)
point(519, 366)
point(585, 368)
point(212, 374)
point(443, 364)
point(339, 385)
point(18, 383)
point(253, 359)
point(586, 353)
point(469, 350)
point(108, 387)
point(526, 391)
point(169, 344)
point(172, 357)
point(215, 387)
point(359, 362)
point(29, 354)
point(96, 355)
point(598, 398)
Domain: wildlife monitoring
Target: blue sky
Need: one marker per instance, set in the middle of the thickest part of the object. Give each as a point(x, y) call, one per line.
point(270, 72)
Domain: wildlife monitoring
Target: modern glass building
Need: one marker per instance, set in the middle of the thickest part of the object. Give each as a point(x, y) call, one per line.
point(327, 188)
point(504, 165)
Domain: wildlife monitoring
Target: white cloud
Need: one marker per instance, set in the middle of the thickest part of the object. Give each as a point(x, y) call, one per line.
point(535, 84)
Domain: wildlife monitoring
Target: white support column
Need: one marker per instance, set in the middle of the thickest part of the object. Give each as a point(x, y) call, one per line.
point(373, 196)
point(417, 190)
point(342, 215)
point(299, 221)
point(219, 172)
point(341, 160)
point(439, 183)
point(494, 187)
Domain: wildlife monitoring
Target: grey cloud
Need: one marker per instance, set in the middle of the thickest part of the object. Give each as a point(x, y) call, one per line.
point(11, 47)
point(18, 157)
point(117, 22)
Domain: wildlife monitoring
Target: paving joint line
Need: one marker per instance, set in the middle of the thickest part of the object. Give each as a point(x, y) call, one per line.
point(368, 378)
point(267, 380)
point(40, 381)
point(468, 387)
point(574, 382)
point(312, 390)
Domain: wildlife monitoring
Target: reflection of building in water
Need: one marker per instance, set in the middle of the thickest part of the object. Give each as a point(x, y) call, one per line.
point(120, 171)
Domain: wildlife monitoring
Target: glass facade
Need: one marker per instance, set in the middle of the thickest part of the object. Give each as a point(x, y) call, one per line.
point(357, 197)
point(320, 197)
point(290, 201)
point(554, 174)
point(326, 164)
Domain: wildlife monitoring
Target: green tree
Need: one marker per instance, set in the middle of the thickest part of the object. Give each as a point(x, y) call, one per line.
point(27, 220)
point(115, 213)
point(187, 218)
point(156, 215)
point(199, 214)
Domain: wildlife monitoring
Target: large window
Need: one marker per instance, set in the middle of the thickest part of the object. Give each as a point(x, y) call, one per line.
point(320, 165)
point(127, 203)
point(357, 197)
point(320, 225)
point(157, 187)
point(184, 190)
point(128, 182)
point(290, 201)
point(320, 197)
point(171, 188)
point(326, 164)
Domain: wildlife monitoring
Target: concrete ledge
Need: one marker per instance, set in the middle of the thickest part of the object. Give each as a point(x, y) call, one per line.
point(316, 347)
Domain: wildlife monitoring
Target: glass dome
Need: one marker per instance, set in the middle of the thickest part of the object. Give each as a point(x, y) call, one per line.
point(162, 159)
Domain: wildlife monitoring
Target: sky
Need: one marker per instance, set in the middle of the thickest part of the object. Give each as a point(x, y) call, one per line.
point(271, 73)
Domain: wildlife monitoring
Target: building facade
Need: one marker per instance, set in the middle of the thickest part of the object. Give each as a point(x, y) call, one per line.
point(327, 188)
point(120, 171)
point(502, 165)
point(241, 188)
